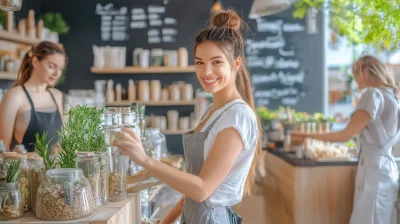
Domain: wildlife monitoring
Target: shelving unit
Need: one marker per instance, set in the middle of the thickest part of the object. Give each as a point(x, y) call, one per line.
point(17, 38)
point(152, 103)
point(139, 70)
point(8, 76)
point(176, 132)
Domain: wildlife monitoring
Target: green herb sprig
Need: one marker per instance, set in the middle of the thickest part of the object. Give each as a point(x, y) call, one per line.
point(42, 148)
point(82, 132)
point(14, 171)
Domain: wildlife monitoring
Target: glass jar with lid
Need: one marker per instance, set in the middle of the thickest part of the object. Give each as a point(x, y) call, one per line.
point(117, 182)
point(90, 165)
point(22, 184)
point(11, 205)
point(104, 160)
point(65, 194)
point(36, 174)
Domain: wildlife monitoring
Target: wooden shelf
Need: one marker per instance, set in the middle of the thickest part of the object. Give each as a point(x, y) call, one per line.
point(153, 103)
point(176, 132)
point(8, 76)
point(17, 38)
point(135, 69)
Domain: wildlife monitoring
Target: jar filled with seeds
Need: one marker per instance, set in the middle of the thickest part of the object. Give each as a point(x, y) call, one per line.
point(117, 182)
point(11, 205)
point(65, 194)
point(90, 165)
point(22, 184)
point(104, 160)
point(35, 176)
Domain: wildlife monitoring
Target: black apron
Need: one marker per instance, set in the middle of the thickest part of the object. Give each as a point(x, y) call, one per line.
point(50, 122)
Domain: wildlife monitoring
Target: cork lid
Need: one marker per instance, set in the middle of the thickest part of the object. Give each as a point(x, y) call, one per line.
point(34, 157)
point(16, 156)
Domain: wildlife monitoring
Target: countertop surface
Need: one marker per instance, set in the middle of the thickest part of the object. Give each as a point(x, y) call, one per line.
point(291, 158)
point(123, 212)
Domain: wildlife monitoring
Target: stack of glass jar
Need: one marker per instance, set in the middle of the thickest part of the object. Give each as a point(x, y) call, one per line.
point(120, 166)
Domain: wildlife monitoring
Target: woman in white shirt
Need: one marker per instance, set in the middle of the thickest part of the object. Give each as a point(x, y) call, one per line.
point(377, 120)
point(220, 151)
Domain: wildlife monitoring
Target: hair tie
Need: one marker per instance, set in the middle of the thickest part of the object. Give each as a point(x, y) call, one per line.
point(30, 53)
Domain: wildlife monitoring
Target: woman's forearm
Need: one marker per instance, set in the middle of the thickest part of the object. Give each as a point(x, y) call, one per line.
point(185, 183)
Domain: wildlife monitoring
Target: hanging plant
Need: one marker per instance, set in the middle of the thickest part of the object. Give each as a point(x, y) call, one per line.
point(374, 22)
point(55, 22)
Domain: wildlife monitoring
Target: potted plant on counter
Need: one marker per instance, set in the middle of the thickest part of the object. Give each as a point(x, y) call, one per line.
point(11, 205)
point(55, 24)
point(82, 140)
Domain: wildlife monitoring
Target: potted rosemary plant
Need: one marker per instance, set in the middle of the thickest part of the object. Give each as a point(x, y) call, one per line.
point(64, 193)
point(82, 138)
point(11, 204)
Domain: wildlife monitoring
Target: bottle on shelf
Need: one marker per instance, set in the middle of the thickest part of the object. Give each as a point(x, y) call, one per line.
point(110, 92)
point(118, 92)
point(131, 91)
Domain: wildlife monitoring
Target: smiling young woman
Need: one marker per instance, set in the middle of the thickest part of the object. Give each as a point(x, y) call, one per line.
point(221, 151)
point(32, 107)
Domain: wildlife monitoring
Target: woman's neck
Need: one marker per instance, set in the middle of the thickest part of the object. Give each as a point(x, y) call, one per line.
point(224, 96)
point(35, 85)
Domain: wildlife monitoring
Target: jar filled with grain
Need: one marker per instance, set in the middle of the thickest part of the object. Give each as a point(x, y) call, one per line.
point(11, 205)
point(104, 160)
point(65, 194)
point(90, 165)
point(35, 178)
point(117, 181)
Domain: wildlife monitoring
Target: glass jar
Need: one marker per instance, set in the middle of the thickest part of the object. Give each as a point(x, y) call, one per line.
point(110, 134)
point(117, 182)
point(104, 160)
point(65, 194)
point(22, 184)
point(35, 177)
point(142, 121)
point(153, 143)
point(127, 116)
point(11, 5)
point(11, 205)
point(90, 165)
point(3, 170)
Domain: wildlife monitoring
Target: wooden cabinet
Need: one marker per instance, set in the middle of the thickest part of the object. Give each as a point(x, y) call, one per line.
point(308, 194)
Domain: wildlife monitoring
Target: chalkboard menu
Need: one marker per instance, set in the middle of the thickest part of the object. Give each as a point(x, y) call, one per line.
point(117, 22)
point(287, 63)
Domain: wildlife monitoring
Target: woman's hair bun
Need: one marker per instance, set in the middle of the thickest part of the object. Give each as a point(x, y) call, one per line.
point(227, 19)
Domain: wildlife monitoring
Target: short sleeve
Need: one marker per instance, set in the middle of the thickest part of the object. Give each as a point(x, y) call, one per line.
point(243, 119)
point(372, 102)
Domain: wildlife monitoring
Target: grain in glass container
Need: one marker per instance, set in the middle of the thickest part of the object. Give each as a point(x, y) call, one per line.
point(65, 194)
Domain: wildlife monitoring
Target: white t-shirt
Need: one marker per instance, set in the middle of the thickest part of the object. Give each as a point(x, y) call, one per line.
point(243, 119)
point(381, 105)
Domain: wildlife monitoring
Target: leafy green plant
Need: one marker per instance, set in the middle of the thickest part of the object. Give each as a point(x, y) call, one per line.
point(362, 22)
point(55, 22)
point(14, 171)
point(42, 148)
point(82, 132)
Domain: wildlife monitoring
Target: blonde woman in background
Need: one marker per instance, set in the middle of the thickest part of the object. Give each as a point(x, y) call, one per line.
point(377, 121)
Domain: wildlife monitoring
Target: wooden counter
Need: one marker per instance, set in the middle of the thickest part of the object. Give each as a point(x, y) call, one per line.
point(124, 212)
point(311, 194)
